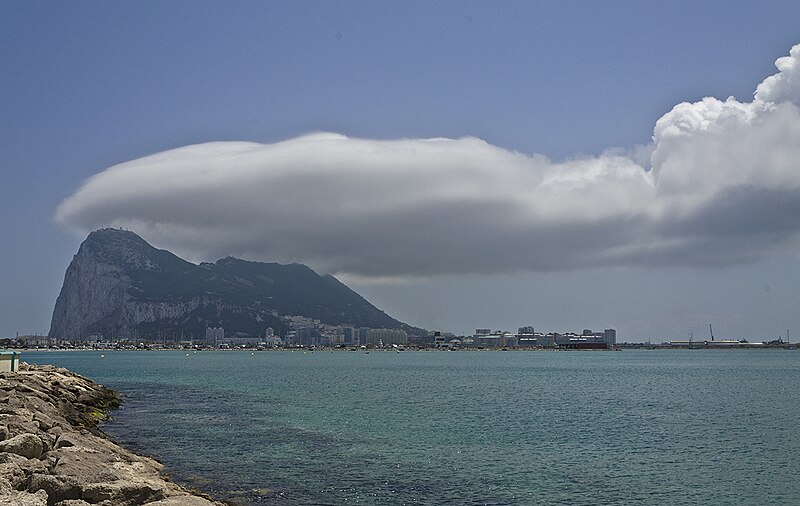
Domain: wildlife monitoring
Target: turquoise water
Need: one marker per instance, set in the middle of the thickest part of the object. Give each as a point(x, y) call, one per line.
point(633, 427)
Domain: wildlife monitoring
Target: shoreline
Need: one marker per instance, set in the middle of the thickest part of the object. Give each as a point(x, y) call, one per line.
point(53, 453)
point(619, 347)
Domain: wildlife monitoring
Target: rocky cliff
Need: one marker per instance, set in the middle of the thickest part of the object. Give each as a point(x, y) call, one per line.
point(119, 286)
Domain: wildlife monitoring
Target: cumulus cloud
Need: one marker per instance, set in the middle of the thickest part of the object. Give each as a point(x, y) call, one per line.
point(785, 85)
point(719, 184)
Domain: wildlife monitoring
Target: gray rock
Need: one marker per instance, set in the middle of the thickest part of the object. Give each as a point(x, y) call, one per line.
point(86, 398)
point(25, 389)
point(19, 498)
point(28, 445)
point(19, 424)
point(12, 475)
point(46, 421)
point(63, 443)
point(58, 488)
point(86, 467)
point(47, 442)
point(11, 458)
point(32, 466)
point(67, 439)
point(55, 431)
point(51, 452)
point(122, 494)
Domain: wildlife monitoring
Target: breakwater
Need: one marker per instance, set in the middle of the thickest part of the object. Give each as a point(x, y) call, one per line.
point(52, 453)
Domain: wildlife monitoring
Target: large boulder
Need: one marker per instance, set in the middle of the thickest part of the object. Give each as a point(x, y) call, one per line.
point(58, 488)
point(67, 439)
point(12, 475)
point(18, 498)
point(85, 465)
point(122, 493)
point(28, 445)
point(19, 423)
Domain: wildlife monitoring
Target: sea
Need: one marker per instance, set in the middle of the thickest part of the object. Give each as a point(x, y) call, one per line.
point(463, 428)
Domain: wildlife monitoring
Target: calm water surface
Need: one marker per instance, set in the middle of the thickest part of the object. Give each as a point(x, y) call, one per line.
point(634, 427)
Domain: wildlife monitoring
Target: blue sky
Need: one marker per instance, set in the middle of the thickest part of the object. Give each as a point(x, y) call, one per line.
point(92, 84)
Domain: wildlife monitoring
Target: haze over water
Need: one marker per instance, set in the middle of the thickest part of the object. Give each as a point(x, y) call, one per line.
point(634, 427)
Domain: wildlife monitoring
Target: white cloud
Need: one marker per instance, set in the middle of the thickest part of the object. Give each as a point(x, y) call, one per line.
point(785, 85)
point(722, 185)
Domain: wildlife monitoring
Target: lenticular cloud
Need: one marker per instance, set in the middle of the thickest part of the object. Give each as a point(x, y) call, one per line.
point(722, 186)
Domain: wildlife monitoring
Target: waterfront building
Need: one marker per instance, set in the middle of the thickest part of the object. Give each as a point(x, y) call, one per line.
point(587, 340)
point(493, 340)
point(307, 336)
point(386, 336)
point(527, 337)
point(273, 341)
point(547, 340)
point(510, 339)
point(349, 336)
point(35, 341)
point(332, 336)
point(215, 335)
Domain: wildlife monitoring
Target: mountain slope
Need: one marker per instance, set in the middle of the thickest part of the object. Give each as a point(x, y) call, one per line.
point(119, 286)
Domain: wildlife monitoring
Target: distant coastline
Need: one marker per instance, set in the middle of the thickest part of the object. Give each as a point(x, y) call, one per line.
point(411, 349)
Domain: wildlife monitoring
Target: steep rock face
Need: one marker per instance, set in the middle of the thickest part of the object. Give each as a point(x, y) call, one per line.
point(120, 286)
point(92, 295)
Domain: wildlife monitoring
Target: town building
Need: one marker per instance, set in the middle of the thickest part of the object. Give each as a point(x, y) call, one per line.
point(527, 337)
point(386, 336)
point(215, 335)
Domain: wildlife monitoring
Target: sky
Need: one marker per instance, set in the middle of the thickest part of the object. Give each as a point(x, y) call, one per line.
point(463, 165)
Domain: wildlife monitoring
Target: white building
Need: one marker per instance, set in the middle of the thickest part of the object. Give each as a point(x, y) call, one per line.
point(215, 335)
point(387, 336)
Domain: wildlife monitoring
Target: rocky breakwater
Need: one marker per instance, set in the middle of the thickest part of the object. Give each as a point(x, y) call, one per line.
point(52, 453)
